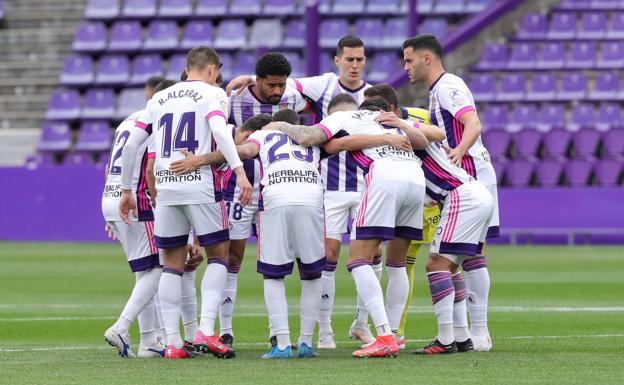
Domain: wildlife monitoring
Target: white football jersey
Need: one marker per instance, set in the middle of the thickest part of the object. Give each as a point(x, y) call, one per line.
point(231, 191)
point(339, 172)
point(112, 190)
point(449, 99)
point(289, 171)
point(245, 104)
point(177, 118)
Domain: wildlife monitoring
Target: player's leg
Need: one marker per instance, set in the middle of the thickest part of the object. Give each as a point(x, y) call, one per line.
point(398, 283)
point(188, 306)
point(275, 261)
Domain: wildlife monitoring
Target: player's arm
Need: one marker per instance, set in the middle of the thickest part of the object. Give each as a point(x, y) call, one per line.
point(472, 130)
point(192, 162)
point(417, 138)
point(138, 135)
point(361, 142)
point(149, 176)
point(306, 136)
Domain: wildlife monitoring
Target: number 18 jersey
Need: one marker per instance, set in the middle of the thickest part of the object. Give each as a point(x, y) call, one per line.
point(177, 118)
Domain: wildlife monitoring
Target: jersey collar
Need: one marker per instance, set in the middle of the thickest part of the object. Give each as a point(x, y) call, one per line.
point(437, 80)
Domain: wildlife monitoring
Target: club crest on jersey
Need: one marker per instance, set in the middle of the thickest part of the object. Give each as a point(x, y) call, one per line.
point(283, 106)
point(224, 105)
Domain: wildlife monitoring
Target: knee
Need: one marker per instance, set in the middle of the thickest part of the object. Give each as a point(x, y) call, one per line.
point(436, 262)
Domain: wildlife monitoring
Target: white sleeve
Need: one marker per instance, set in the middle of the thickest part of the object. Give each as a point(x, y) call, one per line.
point(312, 87)
point(333, 124)
point(225, 143)
point(455, 98)
point(137, 137)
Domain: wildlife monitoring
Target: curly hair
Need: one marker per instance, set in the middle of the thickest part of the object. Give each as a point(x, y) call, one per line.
point(272, 64)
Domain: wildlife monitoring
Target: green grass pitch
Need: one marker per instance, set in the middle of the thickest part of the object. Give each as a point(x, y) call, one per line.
point(557, 316)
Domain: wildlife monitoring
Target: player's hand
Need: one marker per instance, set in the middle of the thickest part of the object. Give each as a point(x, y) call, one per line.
point(237, 84)
point(400, 142)
point(109, 232)
point(127, 206)
point(273, 126)
point(389, 119)
point(455, 155)
point(194, 258)
point(245, 188)
point(191, 162)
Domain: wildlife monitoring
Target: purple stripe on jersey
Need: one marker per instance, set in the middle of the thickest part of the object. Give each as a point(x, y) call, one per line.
point(214, 238)
point(436, 179)
point(145, 263)
point(407, 232)
point(351, 183)
point(266, 109)
point(435, 196)
point(144, 208)
point(451, 135)
point(170, 242)
point(493, 232)
point(333, 173)
point(274, 271)
point(458, 248)
point(249, 166)
point(357, 263)
point(374, 232)
point(317, 106)
point(311, 268)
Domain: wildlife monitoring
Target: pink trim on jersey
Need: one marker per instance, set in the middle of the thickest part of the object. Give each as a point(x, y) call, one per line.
point(451, 222)
point(216, 113)
point(325, 130)
point(458, 129)
point(362, 213)
point(224, 216)
point(254, 141)
point(225, 179)
point(151, 155)
point(149, 229)
point(362, 159)
point(142, 185)
point(461, 112)
point(140, 125)
point(439, 171)
point(298, 85)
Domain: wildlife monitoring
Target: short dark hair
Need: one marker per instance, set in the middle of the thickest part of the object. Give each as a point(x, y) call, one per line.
point(164, 85)
point(256, 123)
point(219, 80)
point(350, 41)
point(287, 115)
point(342, 98)
point(183, 76)
point(375, 104)
point(424, 41)
point(200, 57)
point(153, 81)
point(384, 91)
point(272, 63)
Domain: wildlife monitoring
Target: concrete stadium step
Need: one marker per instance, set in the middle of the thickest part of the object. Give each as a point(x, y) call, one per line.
point(17, 145)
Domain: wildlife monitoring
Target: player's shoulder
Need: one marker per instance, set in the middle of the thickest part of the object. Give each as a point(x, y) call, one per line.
point(452, 80)
point(130, 120)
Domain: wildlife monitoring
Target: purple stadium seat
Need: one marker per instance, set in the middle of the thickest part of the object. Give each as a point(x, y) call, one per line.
point(574, 4)
point(497, 142)
point(499, 169)
point(384, 6)
point(593, 25)
point(245, 7)
point(99, 104)
point(175, 8)
point(296, 64)
point(473, 6)
point(494, 56)
point(551, 55)
point(368, 30)
point(113, 70)
point(609, 115)
point(449, 6)
point(231, 34)
point(562, 25)
point(495, 117)
point(608, 172)
point(125, 36)
point(577, 172)
point(326, 64)
point(140, 9)
point(522, 117)
point(582, 115)
point(245, 62)
point(613, 142)
point(90, 37)
point(197, 32)
point(130, 100)
point(582, 55)
point(611, 55)
point(519, 172)
point(483, 86)
point(606, 86)
point(551, 116)
point(512, 87)
point(227, 71)
point(573, 86)
point(280, 7)
point(437, 27)
point(64, 104)
point(266, 33)
point(424, 7)
point(94, 136)
point(543, 87)
point(394, 32)
point(383, 65)
point(77, 70)
point(586, 142)
point(548, 172)
point(606, 4)
point(616, 28)
point(102, 9)
point(55, 136)
point(533, 26)
point(211, 8)
point(522, 56)
point(144, 66)
point(323, 7)
point(556, 142)
point(348, 7)
point(331, 31)
point(177, 64)
point(295, 34)
point(527, 143)
point(161, 36)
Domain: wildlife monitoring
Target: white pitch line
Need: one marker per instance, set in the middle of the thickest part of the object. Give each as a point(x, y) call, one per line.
point(98, 347)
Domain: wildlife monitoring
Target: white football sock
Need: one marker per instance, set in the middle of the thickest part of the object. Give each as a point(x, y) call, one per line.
point(396, 294)
point(277, 308)
point(144, 290)
point(309, 309)
point(212, 287)
point(460, 316)
point(227, 304)
point(148, 323)
point(170, 293)
point(478, 286)
point(188, 306)
point(160, 329)
point(443, 296)
point(328, 291)
point(369, 289)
